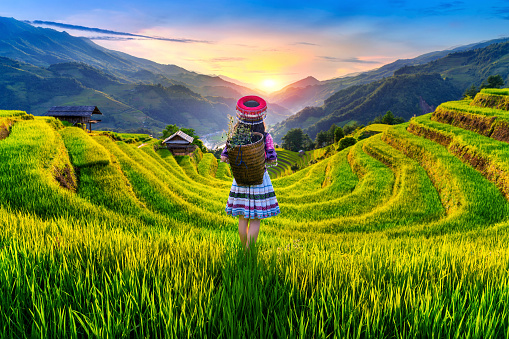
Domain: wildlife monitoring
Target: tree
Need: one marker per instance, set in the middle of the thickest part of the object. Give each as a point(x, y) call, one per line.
point(349, 129)
point(338, 134)
point(322, 139)
point(307, 143)
point(470, 92)
point(330, 134)
point(388, 118)
point(293, 140)
point(346, 142)
point(493, 81)
point(169, 130)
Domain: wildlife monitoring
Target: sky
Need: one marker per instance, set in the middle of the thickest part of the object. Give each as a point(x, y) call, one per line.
point(269, 44)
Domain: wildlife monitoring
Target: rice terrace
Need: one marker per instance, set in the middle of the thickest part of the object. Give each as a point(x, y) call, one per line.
point(402, 235)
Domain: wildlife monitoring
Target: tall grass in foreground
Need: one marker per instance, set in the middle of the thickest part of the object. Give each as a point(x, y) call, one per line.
point(60, 279)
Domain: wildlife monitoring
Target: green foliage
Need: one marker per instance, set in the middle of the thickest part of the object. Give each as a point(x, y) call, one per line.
point(493, 81)
point(295, 140)
point(338, 134)
point(350, 128)
point(346, 142)
point(169, 130)
point(387, 119)
point(321, 139)
point(240, 134)
point(471, 92)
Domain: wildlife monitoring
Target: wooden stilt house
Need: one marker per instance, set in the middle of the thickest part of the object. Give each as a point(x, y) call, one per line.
point(76, 114)
point(180, 143)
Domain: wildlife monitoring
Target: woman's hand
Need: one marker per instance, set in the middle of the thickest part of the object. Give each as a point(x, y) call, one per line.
point(224, 159)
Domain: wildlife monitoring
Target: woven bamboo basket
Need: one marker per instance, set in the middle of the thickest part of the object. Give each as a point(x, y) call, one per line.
point(247, 162)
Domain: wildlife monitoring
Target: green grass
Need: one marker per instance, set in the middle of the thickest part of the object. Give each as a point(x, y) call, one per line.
point(496, 91)
point(469, 199)
point(402, 235)
point(8, 114)
point(84, 150)
point(488, 156)
point(98, 283)
point(464, 106)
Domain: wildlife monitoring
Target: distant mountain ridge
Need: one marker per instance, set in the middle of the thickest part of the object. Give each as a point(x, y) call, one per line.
point(410, 90)
point(42, 67)
point(44, 46)
point(296, 97)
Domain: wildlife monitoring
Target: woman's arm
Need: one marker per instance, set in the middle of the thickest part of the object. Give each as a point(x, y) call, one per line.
point(224, 155)
point(270, 152)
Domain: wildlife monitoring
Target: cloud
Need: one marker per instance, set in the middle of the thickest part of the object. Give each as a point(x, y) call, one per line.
point(444, 8)
point(351, 60)
point(106, 31)
point(502, 12)
point(305, 43)
point(113, 38)
point(226, 59)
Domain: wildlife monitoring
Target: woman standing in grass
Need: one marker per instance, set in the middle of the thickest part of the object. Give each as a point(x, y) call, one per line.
point(253, 202)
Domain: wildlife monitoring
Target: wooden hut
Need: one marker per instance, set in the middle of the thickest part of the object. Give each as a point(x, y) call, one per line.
point(75, 114)
point(180, 143)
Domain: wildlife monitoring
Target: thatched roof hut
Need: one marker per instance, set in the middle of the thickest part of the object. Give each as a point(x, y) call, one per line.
point(75, 114)
point(179, 143)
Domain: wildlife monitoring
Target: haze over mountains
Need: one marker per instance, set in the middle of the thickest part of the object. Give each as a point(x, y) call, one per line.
point(41, 67)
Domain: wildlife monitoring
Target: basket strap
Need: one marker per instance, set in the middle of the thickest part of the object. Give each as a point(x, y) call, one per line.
point(241, 161)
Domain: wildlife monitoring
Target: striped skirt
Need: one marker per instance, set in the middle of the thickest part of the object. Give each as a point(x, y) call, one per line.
point(253, 202)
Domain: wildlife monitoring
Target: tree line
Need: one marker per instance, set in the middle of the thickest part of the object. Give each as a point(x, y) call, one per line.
point(493, 81)
point(296, 140)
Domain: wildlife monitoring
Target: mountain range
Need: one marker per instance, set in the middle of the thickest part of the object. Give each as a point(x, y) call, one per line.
point(311, 92)
point(405, 87)
point(41, 67)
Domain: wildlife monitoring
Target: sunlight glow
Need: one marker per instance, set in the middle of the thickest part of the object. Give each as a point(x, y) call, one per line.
point(269, 84)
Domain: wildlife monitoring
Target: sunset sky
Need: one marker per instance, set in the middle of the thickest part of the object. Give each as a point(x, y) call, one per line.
point(269, 44)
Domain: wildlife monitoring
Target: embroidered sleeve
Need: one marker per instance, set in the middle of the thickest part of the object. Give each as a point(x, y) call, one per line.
point(270, 152)
point(225, 152)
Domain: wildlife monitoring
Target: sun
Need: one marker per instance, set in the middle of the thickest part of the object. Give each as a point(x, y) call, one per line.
point(269, 84)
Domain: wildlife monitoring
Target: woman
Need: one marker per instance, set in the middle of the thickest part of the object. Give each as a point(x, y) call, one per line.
point(253, 202)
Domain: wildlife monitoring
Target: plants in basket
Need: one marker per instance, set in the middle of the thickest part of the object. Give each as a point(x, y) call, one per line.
point(246, 153)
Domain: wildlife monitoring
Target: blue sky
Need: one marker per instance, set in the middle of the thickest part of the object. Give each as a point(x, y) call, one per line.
point(271, 43)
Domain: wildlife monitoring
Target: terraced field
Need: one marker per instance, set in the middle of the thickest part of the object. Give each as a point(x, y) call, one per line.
point(404, 234)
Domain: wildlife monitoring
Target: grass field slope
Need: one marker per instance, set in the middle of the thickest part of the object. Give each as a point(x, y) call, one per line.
point(402, 235)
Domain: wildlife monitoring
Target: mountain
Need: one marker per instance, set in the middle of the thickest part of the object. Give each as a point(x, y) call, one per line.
point(42, 67)
point(127, 106)
point(468, 67)
point(404, 95)
point(406, 92)
point(296, 98)
point(43, 47)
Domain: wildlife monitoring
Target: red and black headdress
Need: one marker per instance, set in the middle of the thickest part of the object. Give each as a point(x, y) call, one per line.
point(251, 109)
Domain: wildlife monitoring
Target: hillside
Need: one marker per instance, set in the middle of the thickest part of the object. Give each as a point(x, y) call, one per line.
point(298, 96)
point(404, 95)
point(42, 67)
point(125, 105)
point(103, 235)
point(470, 67)
point(44, 47)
